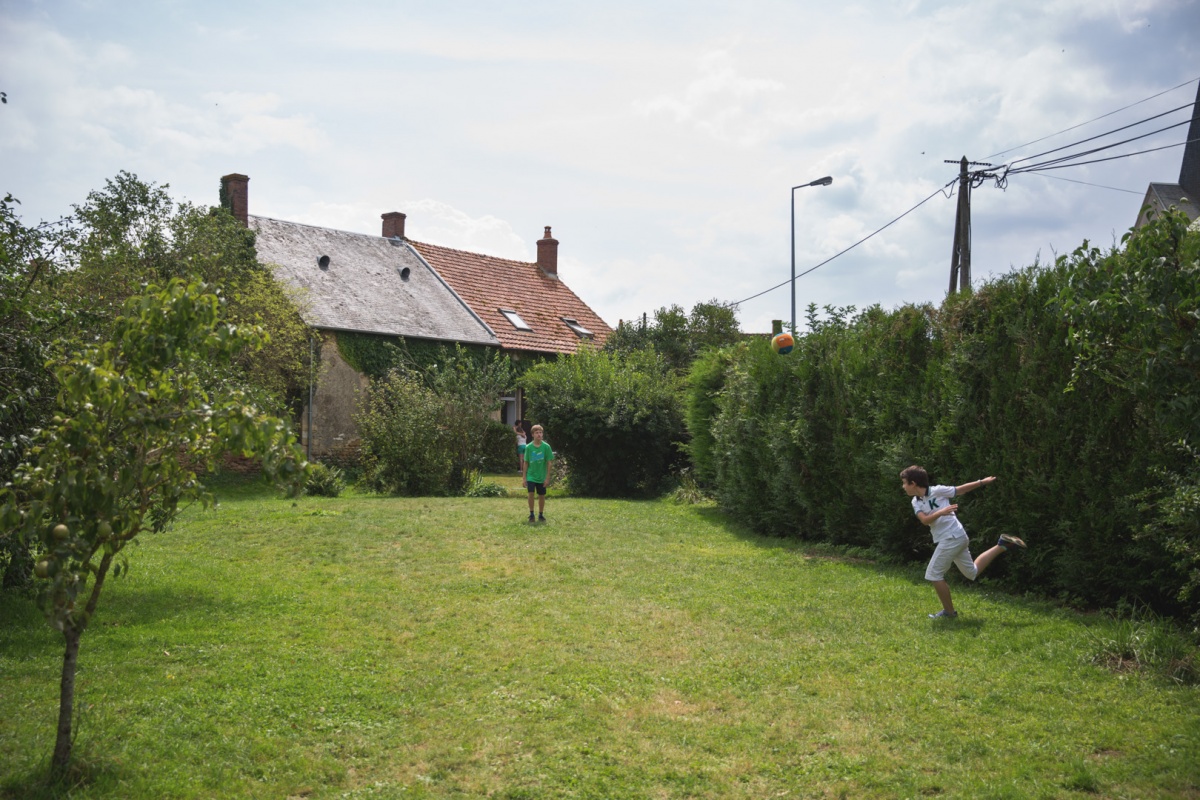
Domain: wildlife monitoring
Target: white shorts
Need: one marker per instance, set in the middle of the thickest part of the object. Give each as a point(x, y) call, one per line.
point(955, 551)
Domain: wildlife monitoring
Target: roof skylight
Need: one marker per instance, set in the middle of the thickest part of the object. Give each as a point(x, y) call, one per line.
point(580, 331)
point(515, 319)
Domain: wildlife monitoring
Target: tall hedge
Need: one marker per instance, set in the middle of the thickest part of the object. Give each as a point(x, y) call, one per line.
point(616, 417)
point(1075, 383)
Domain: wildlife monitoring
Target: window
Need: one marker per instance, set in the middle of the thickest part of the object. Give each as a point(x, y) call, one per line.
point(515, 319)
point(580, 331)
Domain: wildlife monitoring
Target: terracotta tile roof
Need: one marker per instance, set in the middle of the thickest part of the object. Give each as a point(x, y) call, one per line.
point(489, 284)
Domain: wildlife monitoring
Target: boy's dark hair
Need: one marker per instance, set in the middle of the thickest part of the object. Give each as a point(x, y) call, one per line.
point(917, 475)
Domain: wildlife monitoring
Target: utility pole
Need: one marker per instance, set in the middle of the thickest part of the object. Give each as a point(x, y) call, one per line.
point(960, 253)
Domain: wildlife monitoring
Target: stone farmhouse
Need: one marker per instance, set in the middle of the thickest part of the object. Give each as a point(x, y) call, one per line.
point(392, 286)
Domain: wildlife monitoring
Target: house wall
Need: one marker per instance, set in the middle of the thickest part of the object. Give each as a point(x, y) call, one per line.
point(335, 402)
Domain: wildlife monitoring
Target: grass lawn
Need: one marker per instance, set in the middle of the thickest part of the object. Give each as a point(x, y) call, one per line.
point(366, 647)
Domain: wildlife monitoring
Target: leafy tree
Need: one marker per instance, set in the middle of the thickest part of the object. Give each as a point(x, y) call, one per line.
point(135, 426)
point(1134, 318)
point(616, 417)
point(131, 233)
point(31, 316)
point(676, 336)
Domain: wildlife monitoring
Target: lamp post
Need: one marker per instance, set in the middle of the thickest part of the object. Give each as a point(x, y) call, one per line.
point(818, 182)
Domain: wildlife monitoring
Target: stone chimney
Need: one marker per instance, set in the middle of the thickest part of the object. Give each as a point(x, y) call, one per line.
point(1189, 172)
point(235, 195)
point(393, 225)
point(548, 254)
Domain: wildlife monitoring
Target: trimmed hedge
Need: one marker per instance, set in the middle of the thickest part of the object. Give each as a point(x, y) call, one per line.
point(617, 417)
point(1009, 381)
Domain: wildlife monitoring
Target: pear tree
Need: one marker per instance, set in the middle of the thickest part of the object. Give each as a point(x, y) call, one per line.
point(136, 427)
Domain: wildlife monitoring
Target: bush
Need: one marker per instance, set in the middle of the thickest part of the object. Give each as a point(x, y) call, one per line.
point(478, 487)
point(617, 417)
point(498, 448)
point(324, 481)
point(403, 451)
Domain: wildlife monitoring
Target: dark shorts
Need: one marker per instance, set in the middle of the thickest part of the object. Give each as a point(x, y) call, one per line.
point(540, 488)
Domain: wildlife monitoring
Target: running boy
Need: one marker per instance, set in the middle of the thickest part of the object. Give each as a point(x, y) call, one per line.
point(535, 469)
point(932, 506)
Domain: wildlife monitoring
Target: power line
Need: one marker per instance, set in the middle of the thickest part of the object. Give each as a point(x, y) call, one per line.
point(1090, 121)
point(1102, 135)
point(941, 190)
point(1053, 165)
point(1085, 183)
point(1073, 156)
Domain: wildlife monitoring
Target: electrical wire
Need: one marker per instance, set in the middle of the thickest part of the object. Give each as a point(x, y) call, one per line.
point(1039, 168)
point(940, 190)
point(1073, 156)
point(1085, 183)
point(1097, 119)
point(1102, 135)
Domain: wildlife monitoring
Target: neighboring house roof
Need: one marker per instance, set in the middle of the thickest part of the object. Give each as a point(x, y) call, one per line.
point(492, 286)
point(1161, 196)
point(369, 284)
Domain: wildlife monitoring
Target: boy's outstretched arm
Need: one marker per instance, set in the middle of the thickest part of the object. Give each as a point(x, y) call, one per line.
point(973, 485)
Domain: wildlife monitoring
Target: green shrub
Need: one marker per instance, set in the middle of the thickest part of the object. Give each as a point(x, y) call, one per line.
point(403, 450)
point(324, 480)
point(498, 448)
point(478, 487)
point(617, 417)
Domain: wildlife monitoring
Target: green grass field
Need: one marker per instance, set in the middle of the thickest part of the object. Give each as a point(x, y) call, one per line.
point(366, 647)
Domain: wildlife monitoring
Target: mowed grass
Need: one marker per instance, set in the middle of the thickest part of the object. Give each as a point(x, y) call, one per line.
point(366, 647)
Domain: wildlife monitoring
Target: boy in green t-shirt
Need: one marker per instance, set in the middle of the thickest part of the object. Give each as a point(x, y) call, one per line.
point(535, 468)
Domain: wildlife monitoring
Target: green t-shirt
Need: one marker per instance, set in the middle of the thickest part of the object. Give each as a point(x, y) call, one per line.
point(537, 458)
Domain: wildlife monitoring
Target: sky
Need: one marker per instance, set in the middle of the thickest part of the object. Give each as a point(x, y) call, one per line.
point(659, 139)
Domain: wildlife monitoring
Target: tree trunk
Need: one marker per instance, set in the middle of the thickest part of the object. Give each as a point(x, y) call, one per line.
point(66, 703)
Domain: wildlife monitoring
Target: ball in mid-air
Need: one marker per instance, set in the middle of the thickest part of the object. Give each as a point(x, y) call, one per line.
point(782, 343)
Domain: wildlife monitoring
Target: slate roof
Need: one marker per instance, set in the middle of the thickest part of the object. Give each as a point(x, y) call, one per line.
point(361, 288)
point(1172, 194)
point(489, 284)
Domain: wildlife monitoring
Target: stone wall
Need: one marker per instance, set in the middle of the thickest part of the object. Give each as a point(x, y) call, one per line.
point(335, 402)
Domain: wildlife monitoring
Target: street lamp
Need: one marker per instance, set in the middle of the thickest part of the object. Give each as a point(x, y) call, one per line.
point(818, 182)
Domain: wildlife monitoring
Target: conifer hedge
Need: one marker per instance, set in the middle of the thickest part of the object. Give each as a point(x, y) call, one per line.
point(1075, 383)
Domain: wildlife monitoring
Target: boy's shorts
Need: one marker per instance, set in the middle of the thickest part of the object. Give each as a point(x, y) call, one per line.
point(540, 488)
point(956, 551)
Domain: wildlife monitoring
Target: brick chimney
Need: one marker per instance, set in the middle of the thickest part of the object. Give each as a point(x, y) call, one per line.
point(548, 254)
point(393, 225)
point(235, 195)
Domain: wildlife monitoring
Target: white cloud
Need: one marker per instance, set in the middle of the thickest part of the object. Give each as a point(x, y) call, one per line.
point(721, 102)
point(439, 223)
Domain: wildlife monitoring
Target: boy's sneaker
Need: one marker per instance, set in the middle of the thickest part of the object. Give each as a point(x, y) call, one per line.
point(541, 518)
point(943, 614)
point(531, 516)
point(1009, 542)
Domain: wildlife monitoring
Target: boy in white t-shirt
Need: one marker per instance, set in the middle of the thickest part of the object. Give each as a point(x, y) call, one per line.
point(932, 506)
